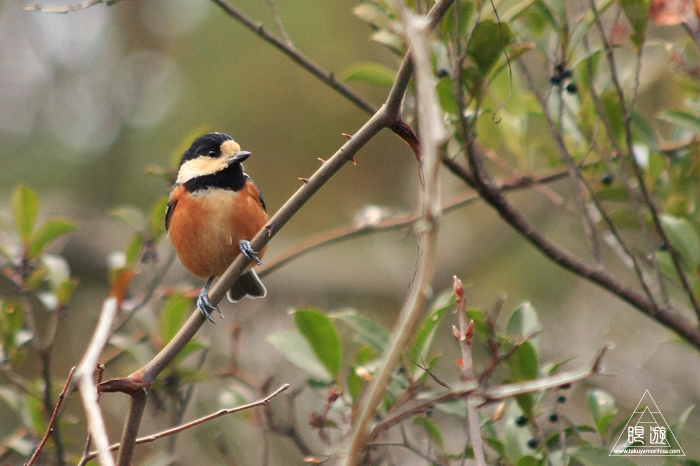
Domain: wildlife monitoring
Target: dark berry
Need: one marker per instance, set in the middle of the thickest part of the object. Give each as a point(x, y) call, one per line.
point(521, 421)
point(442, 73)
point(533, 443)
point(606, 180)
point(554, 417)
point(561, 399)
point(559, 68)
point(555, 80)
point(566, 74)
point(571, 88)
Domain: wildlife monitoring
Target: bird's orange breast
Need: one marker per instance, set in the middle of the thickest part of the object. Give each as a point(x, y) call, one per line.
point(207, 226)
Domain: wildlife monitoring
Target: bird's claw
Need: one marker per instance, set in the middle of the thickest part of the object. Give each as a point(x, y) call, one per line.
point(249, 252)
point(205, 306)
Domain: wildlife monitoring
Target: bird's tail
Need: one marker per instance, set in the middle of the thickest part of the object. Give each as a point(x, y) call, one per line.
point(249, 285)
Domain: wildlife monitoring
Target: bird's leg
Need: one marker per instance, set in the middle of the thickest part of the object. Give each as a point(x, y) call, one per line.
point(204, 305)
point(248, 251)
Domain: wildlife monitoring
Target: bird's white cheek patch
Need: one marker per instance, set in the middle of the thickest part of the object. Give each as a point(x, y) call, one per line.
point(199, 167)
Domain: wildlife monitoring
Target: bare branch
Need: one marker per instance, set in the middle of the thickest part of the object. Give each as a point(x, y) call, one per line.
point(501, 392)
point(50, 428)
point(83, 376)
point(432, 136)
point(664, 315)
point(223, 412)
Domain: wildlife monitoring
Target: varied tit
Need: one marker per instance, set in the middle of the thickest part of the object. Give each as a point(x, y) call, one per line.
point(213, 212)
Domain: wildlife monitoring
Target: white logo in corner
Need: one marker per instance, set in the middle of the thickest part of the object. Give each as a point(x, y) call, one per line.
point(646, 433)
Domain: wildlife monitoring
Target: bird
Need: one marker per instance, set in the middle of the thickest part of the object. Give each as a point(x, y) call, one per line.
point(214, 209)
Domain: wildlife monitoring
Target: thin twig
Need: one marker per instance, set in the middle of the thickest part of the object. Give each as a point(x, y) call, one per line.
point(299, 58)
point(52, 422)
point(175, 430)
point(497, 393)
point(69, 8)
point(83, 376)
point(280, 25)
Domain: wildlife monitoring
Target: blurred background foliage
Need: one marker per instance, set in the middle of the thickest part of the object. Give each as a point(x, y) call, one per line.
point(93, 102)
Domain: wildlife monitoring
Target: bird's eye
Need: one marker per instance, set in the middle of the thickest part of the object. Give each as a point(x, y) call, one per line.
point(212, 153)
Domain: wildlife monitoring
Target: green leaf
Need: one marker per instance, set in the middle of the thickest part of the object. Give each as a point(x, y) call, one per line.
point(370, 72)
point(528, 461)
point(523, 362)
point(368, 331)
point(296, 349)
point(446, 96)
point(636, 12)
point(601, 405)
point(594, 456)
point(423, 341)
point(677, 430)
point(392, 41)
point(323, 337)
point(486, 46)
point(25, 207)
point(684, 238)
point(48, 232)
point(682, 119)
point(481, 329)
point(524, 322)
point(131, 216)
point(157, 217)
point(355, 384)
point(523, 365)
point(432, 431)
point(448, 24)
point(373, 14)
point(133, 249)
point(172, 316)
point(64, 291)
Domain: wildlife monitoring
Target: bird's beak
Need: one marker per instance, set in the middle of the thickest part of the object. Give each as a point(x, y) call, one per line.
point(239, 157)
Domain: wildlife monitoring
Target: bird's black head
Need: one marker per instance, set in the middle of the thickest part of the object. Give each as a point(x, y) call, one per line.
point(213, 160)
point(208, 145)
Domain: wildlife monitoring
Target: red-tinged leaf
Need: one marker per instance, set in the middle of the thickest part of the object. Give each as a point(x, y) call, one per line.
point(120, 284)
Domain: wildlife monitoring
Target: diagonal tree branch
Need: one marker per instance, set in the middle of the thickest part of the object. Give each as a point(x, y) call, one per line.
point(515, 219)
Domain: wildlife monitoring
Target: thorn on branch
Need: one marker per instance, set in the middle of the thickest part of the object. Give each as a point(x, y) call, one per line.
point(305, 180)
point(128, 385)
point(406, 133)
